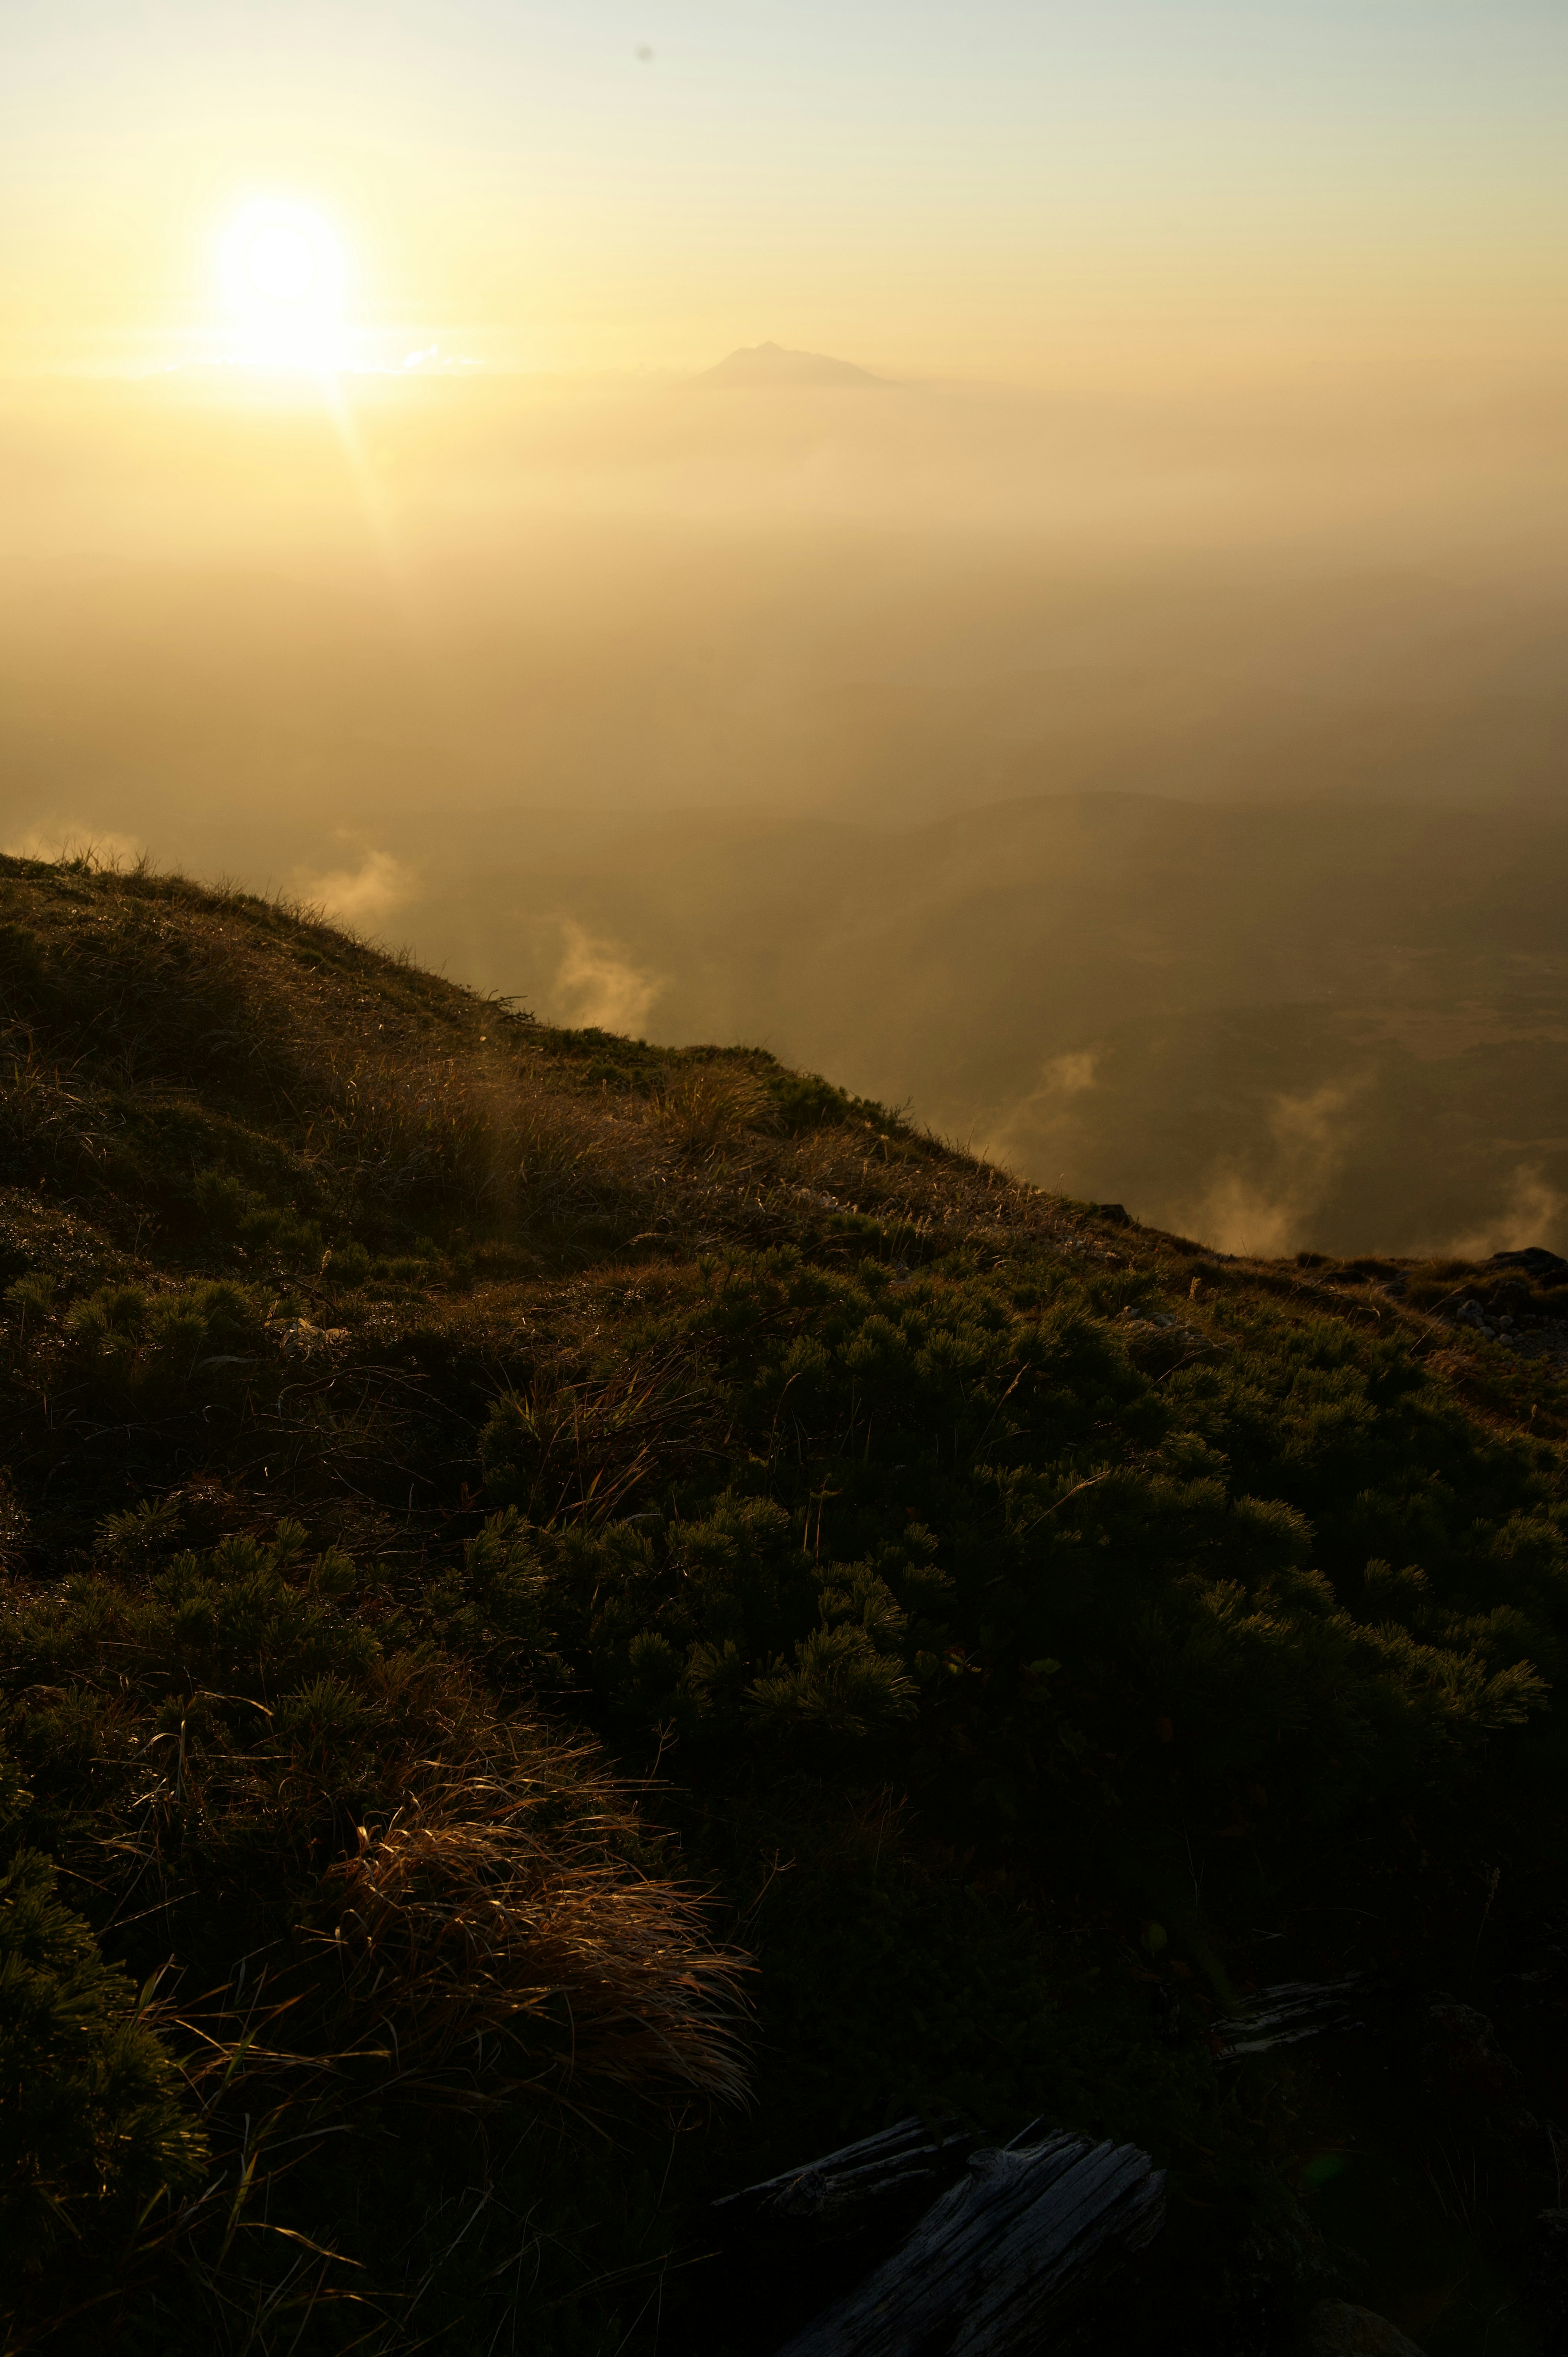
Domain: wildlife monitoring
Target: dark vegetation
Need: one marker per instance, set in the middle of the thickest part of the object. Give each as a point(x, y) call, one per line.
point(582, 1622)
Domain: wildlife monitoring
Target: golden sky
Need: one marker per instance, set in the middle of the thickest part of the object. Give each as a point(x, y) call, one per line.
point(1144, 193)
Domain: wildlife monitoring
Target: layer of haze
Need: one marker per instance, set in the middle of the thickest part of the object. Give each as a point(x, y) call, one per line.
point(1128, 724)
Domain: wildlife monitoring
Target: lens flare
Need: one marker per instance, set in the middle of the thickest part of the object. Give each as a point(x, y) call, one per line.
point(284, 276)
point(280, 263)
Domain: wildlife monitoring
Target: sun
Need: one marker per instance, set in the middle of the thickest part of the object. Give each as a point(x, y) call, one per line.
point(284, 276)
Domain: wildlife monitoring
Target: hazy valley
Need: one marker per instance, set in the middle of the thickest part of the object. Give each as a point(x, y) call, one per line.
point(1164, 798)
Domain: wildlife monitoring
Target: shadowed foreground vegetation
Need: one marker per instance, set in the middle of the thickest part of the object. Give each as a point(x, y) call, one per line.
point(582, 1622)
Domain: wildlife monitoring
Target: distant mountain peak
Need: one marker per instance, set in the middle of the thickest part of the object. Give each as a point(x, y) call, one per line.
point(763, 365)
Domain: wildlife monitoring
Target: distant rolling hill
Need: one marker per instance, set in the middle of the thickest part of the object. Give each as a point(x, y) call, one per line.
point(755, 366)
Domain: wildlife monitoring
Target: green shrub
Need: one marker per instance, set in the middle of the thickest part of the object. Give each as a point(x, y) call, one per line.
point(151, 1348)
point(114, 1317)
point(33, 1296)
point(236, 1210)
point(1206, 1551)
point(805, 1101)
point(221, 1200)
point(348, 1265)
point(140, 1534)
point(95, 2127)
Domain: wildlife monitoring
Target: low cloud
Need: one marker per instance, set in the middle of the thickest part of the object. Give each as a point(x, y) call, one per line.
point(1048, 1119)
point(54, 839)
point(596, 986)
point(1533, 1212)
point(366, 895)
point(1270, 1213)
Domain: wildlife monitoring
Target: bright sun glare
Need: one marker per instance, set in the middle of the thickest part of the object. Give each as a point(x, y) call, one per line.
point(283, 281)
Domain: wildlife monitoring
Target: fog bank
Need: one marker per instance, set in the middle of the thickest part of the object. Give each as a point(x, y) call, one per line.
point(1166, 800)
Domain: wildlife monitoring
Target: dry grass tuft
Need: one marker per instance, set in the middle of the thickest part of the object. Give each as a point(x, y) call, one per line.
point(392, 1133)
point(472, 1922)
point(704, 1106)
point(568, 1452)
point(459, 1135)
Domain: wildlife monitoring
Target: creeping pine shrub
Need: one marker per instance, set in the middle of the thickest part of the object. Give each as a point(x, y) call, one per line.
point(222, 1199)
point(805, 1101)
point(32, 1296)
point(140, 1534)
point(115, 1316)
point(1294, 1569)
point(93, 2126)
point(348, 1265)
point(126, 1339)
point(837, 1682)
point(235, 1210)
point(495, 1607)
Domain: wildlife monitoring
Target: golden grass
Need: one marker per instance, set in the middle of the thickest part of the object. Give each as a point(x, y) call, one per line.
point(583, 1447)
point(480, 1933)
point(700, 1107)
point(409, 1101)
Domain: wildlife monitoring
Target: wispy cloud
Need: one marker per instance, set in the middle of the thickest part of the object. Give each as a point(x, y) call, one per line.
point(366, 895)
point(1269, 1213)
point(595, 985)
point(57, 839)
point(1533, 1211)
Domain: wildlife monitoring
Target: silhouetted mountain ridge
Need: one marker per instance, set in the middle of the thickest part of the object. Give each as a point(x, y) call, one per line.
point(758, 367)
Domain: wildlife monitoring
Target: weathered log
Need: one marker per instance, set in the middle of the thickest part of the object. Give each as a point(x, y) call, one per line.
point(1286, 2014)
point(847, 2194)
point(999, 2262)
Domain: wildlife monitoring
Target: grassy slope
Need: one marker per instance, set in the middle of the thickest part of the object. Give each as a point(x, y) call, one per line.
point(419, 1423)
point(1336, 1020)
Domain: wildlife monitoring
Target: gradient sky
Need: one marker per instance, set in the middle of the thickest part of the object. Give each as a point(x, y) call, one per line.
point(1154, 193)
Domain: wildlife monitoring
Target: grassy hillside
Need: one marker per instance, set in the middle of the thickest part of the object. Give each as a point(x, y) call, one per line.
point(1334, 1024)
point(582, 1622)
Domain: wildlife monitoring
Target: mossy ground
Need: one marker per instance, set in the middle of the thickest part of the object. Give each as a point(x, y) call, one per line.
point(544, 1573)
